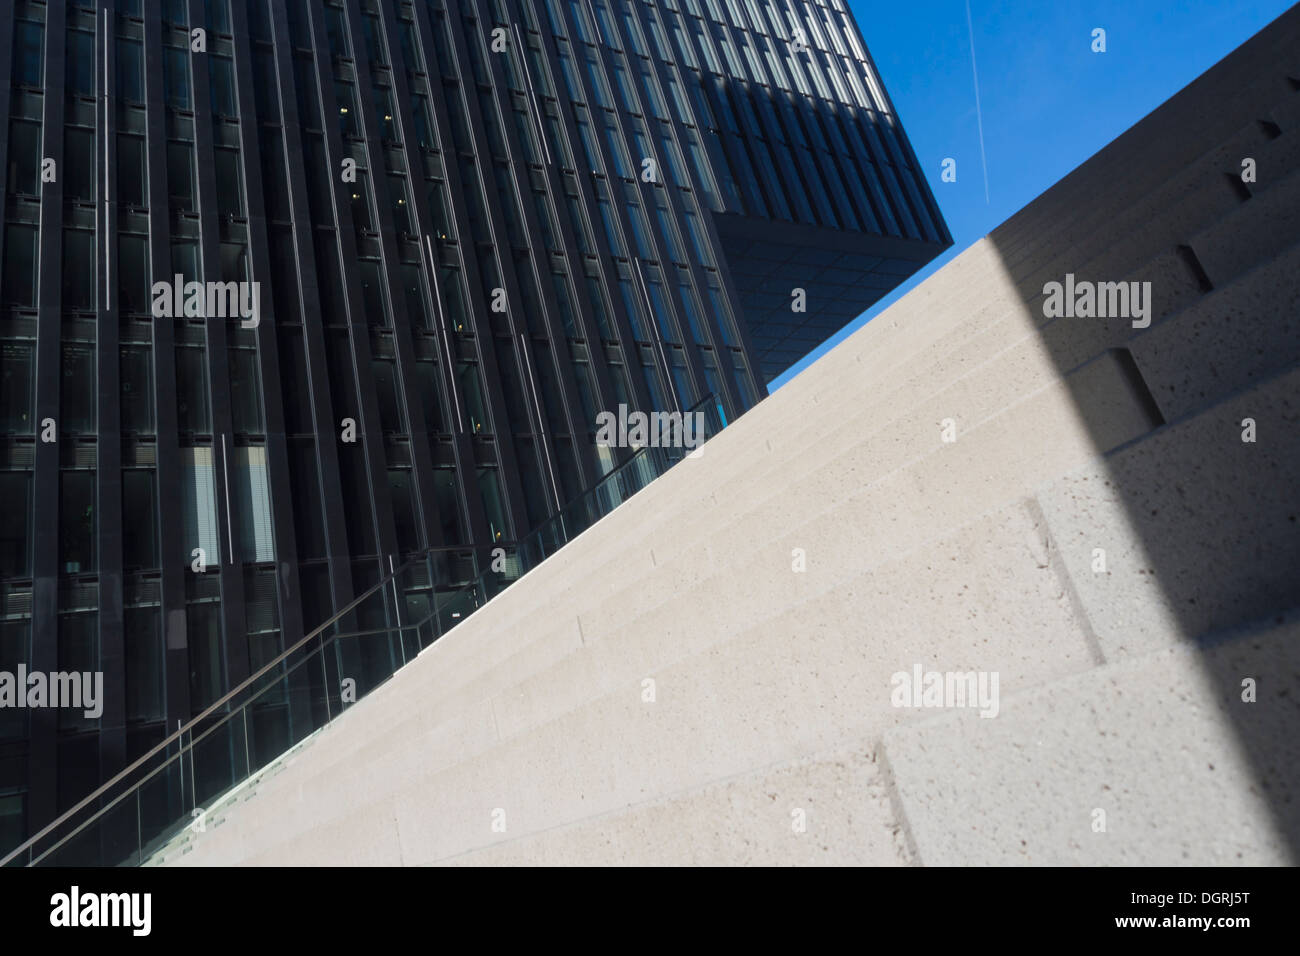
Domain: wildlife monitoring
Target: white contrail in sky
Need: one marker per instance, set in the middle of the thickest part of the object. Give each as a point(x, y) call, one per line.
point(978, 115)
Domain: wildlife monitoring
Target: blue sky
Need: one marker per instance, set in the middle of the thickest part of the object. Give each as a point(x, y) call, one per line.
point(1047, 101)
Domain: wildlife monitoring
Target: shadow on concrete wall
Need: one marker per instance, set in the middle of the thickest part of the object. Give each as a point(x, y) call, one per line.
point(1205, 548)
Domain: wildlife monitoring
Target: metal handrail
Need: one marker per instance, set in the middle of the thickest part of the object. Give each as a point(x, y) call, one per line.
point(229, 715)
point(180, 732)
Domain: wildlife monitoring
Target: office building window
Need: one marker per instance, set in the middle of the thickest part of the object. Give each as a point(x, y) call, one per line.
point(376, 47)
point(304, 485)
point(230, 187)
point(77, 522)
point(130, 70)
point(81, 63)
point(449, 509)
point(185, 260)
point(133, 269)
point(143, 651)
point(363, 210)
point(689, 308)
point(20, 265)
point(384, 371)
point(400, 199)
point(25, 158)
point(221, 76)
point(132, 171)
point(349, 117)
point(417, 302)
point(176, 77)
point(15, 524)
point(374, 294)
point(253, 494)
point(411, 55)
point(207, 660)
point(402, 495)
point(79, 165)
point(218, 12)
point(17, 387)
point(386, 112)
point(137, 389)
point(245, 391)
point(77, 388)
point(198, 506)
point(275, 181)
point(180, 175)
point(29, 53)
point(139, 520)
point(192, 389)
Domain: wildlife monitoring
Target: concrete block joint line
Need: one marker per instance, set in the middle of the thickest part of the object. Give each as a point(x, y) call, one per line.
point(1006, 578)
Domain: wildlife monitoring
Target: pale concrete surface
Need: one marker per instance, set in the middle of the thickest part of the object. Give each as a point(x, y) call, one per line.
point(1146, 741)
point(1201, 553)
point(831, 810)
point(720, 652)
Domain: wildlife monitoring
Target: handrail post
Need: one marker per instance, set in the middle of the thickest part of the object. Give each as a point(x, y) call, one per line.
point(248, 754)
point(325, 679)
point(180, 759)
point(194, 789)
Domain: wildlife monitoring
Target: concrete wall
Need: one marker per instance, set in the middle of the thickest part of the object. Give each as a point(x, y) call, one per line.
point(530, 733)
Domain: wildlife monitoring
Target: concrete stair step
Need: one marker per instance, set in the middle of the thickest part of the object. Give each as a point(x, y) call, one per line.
point(1031, 787)
point(1195, 197)
point(1219, 346)
point(832, 808)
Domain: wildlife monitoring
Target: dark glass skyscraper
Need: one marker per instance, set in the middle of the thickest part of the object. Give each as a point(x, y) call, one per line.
point(470, 226)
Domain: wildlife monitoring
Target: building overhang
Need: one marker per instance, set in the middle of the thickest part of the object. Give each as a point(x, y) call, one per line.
point(842, 273)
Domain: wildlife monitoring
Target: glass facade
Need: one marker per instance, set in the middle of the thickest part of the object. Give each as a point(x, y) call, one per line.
point(468, 226)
